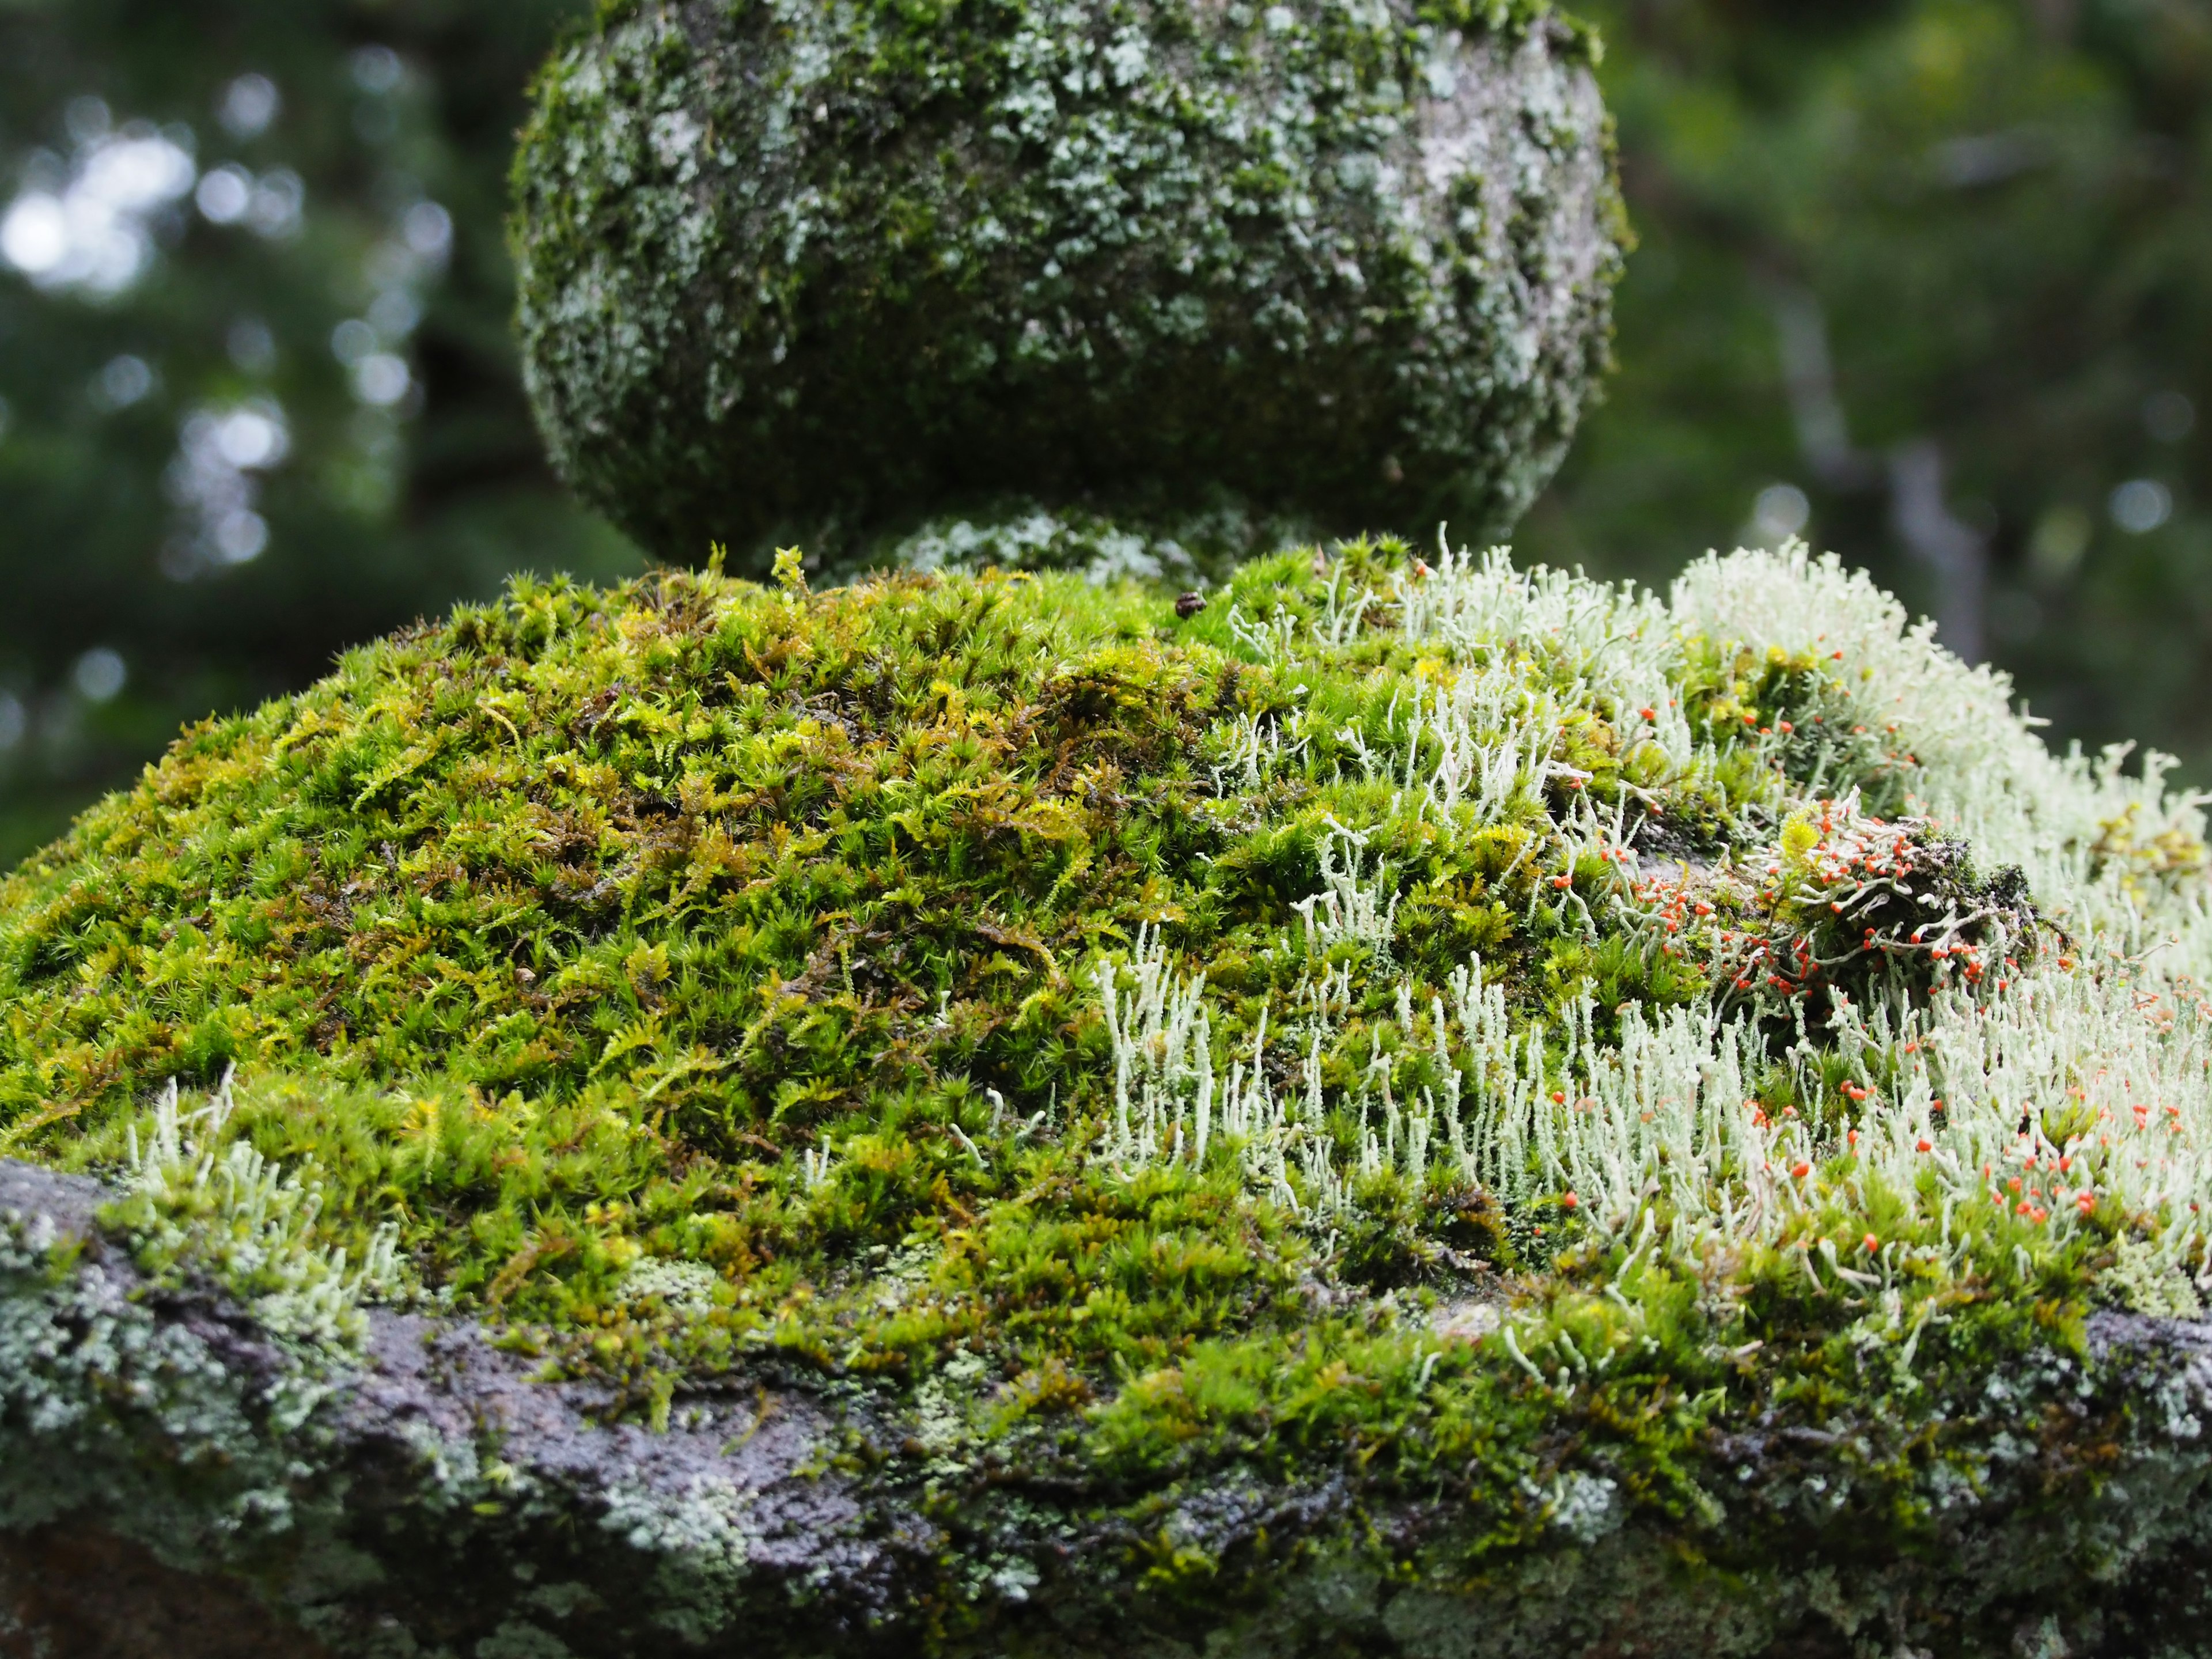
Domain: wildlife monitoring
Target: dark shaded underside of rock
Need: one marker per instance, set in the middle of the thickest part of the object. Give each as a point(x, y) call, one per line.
point(174, 1482)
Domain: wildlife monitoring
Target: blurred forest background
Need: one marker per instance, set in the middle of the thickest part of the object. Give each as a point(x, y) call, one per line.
point(1929, 282)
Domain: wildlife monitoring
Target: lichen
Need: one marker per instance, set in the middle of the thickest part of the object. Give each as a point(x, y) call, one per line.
point(805, 273)
point(1423, 1070)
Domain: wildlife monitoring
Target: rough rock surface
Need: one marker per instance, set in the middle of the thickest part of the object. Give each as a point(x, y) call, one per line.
point(816, 273)
point(178, 1485)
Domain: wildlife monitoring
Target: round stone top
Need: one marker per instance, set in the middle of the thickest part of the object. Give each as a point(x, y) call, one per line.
point(817, 274)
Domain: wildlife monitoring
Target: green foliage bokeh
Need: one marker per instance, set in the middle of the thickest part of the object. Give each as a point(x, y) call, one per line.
point(1995, 209)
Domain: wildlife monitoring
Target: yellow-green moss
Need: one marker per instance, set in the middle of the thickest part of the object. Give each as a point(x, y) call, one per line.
point(700, 980)
point(758, 929)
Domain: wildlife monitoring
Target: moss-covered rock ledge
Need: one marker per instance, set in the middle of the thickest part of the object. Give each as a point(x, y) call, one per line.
point(1417, 1107)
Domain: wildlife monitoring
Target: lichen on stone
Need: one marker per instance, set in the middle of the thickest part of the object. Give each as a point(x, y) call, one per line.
point(818, 273)
point(1470, 1079)
point(1100, 1094)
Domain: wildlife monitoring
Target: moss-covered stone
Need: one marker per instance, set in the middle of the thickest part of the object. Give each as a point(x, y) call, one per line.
point(178, 1486)
point(1420, 1109)
point(820, 273)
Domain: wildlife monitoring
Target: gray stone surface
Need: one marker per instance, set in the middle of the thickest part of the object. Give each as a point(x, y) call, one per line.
point(174, 1481)
point(813, 273)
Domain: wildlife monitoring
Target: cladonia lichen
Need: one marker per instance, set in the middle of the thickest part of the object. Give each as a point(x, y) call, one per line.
point(1478, 1081)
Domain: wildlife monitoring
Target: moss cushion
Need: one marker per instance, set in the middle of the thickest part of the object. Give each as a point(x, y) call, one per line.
point(1418, 1106)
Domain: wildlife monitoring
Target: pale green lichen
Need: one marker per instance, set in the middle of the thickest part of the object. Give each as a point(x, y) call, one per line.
point(201, 1203)
point(99, 1392)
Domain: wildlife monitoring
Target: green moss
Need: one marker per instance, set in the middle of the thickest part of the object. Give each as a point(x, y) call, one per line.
point(699, 978)
point(823, 273)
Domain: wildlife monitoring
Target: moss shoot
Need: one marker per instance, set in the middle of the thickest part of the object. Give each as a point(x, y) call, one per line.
point(795, 272)
point(1486, 1038)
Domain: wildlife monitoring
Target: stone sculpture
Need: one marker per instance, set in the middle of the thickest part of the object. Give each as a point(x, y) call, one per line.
point(816, 274)
point(1384, 1104)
